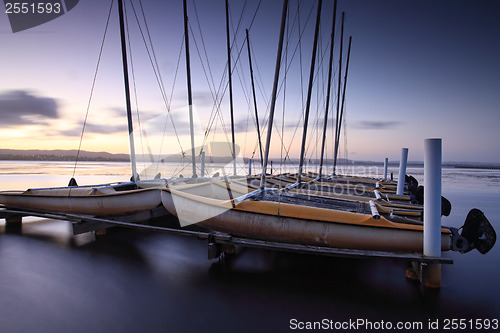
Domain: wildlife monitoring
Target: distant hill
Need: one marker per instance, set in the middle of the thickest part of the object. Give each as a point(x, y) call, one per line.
point(70, 155)
point(60, 155)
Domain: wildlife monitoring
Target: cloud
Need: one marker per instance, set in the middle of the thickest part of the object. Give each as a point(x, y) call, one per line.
point(377, 125)
point(243, 125)
point(248, 125)
point(22, 107)
point(106, 128)
point(95, 129)
point(201, 99)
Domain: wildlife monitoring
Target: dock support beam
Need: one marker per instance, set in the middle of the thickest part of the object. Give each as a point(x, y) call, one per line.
point(402, 171)
point(432, 210)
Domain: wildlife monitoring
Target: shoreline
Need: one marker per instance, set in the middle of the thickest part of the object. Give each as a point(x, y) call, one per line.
point(54, 158)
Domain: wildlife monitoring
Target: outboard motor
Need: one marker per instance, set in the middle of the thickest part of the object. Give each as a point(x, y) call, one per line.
point(445, 203)
point(411, 183)
point(72, 182)
point(478, 232)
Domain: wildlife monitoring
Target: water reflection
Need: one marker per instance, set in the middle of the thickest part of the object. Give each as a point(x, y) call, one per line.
point(136, 281)
point(131, 280)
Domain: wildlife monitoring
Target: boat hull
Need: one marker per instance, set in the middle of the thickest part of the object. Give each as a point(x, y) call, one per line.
point(296, 224)
point(80, 202)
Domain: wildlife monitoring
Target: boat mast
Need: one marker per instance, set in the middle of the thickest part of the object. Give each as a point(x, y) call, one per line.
point(127, 92)
point(343, 99)
point(190, 96)
point(330, 65)
point(230, 87)
point(273, 96)
point(254, 98)
point(337, 129)
point(309, 90)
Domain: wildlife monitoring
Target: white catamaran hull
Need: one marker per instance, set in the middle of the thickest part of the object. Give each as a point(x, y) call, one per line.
point(83, 201)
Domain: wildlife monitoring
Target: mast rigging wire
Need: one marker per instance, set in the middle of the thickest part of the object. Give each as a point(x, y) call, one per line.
point(92, 88)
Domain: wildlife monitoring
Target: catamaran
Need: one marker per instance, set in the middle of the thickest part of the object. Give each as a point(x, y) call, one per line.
point(289, 216)
point(99, 200)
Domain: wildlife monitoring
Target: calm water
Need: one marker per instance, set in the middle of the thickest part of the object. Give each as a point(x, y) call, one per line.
point(131, 281)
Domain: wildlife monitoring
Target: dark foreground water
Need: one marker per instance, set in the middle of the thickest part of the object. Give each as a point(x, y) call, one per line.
point(133, 281)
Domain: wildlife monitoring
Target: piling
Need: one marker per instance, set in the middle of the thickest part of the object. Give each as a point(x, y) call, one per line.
point(432, 210)
point(402, 171)
point(250, 167)
point(386, 163)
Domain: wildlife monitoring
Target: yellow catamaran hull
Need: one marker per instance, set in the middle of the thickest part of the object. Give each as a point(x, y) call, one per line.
point(299, 224)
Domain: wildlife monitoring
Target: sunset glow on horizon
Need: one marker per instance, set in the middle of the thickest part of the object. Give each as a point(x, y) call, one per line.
point(418, 69)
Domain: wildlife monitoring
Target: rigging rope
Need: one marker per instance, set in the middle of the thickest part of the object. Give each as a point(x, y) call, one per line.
point(132, 70)
point(346, 152)
point(92, 88)
point(286, 71)
point(151, 55)
point(220, 92)
point(171, 97)
point(156, 70)
point(281, 137)
point(162, 87)
point(284, 90)
point(319, 79)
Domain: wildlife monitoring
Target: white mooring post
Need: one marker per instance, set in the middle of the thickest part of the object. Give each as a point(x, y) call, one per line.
point(386, 164)
point(203, 164)
point(402, 171)
point(432, 210)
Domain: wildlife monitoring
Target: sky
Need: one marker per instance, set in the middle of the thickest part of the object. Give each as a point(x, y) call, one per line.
point(417, 70)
